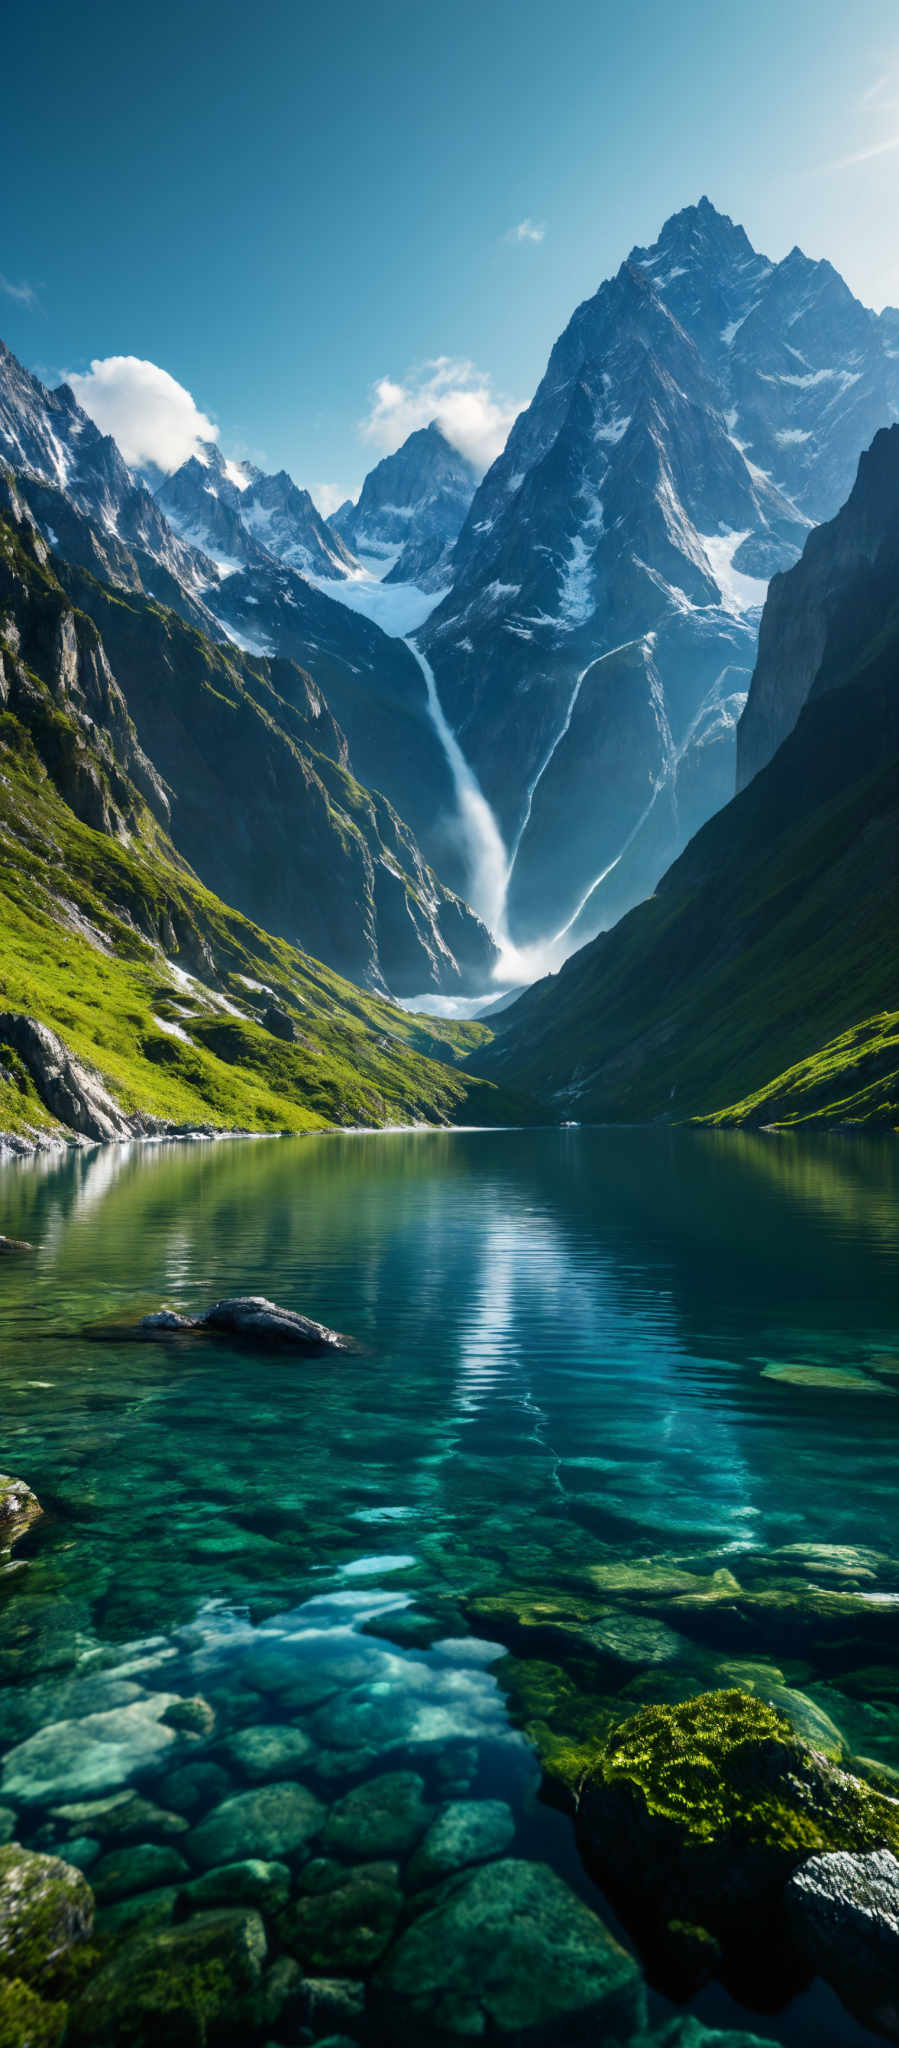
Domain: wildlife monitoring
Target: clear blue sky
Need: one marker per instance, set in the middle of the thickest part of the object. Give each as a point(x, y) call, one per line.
point(281, 203)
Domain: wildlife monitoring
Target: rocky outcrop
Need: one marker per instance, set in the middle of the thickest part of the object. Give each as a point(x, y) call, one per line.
point(844, 1914)
point(69, 1089)
point(251, 1318)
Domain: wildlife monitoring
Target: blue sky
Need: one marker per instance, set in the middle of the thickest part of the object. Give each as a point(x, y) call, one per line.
point(281, 204)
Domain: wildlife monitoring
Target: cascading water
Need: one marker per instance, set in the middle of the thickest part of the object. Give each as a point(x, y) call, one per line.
point(486, 850)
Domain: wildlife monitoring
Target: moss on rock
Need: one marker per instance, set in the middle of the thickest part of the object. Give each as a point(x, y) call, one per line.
point(27, 2021)
point(46, 1911)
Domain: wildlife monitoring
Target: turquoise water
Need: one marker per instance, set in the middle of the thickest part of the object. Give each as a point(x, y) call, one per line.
point(578, 1349)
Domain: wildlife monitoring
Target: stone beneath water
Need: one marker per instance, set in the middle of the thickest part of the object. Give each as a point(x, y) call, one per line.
point(509, 1948)
point(250, 1317)
point(273, 1821)
point(267, 1752)
point(347, 1921)
point(467, 1831)
point(70, 1759)
point(251, 1883)
point(124, 1816)
point(844, 1911)
point(179, 1985)
point(136, 1867)
point(384, 1817)
point(27, 2021)
point(46, 1909)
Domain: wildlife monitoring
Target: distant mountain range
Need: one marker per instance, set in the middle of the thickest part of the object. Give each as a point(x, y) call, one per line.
point(760, 983)
point(411, 510)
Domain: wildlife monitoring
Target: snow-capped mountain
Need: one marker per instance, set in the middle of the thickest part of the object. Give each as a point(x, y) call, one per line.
point(411, 509)
point(232, 509)
point(697, 416)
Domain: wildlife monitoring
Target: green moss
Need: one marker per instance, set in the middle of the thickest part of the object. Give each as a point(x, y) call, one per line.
point(728, 1768)
point(27, 2021)
point(46, 1910)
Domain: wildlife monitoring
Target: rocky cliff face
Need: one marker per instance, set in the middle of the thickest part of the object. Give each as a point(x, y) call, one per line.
point(803, 605)
point(240, 759)
point(697, 414)
point(774, 938)
point(238, 515)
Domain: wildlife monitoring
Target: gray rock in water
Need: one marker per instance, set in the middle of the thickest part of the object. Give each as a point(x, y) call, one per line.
point(14, 1244)
point(46, 1909)
point(251, 1883)
point(267, 1752)
point(136, 1867)
point(382, 1818)
point(467, 1831)
point(271, 1822)
point(508, 1948)
point(19, 1507)
point(844, 1911)
point(70, 1760)
point(260, 1321)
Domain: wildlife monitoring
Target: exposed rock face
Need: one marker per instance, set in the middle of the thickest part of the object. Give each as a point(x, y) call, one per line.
point(510, 1949)
point(804, 606)
point(233, 511)
point(844, 1912)
point(68, 1088)
point(696, 416)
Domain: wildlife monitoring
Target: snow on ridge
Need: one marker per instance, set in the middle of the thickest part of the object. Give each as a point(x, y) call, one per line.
point(739, 593)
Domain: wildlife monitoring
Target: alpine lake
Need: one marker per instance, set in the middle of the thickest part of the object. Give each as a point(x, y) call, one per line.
point(311, 1652)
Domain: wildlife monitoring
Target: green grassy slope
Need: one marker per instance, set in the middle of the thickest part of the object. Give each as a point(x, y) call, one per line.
point(775, 934)
point(108, 937)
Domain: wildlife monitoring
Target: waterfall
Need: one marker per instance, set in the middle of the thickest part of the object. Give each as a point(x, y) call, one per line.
point(486, 851)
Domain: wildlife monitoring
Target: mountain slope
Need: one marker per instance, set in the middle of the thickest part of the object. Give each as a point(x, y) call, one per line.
point(259, 797)
point(697, 414)
point(233, 511)
point(411, 508)
point(94, 512)
point(777, 930)
point(189, 1011)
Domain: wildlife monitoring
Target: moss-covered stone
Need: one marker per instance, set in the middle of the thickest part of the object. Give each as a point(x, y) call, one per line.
point(46, 1911)
point(27, 2021)
point(187, 1985)
point(706, 1807)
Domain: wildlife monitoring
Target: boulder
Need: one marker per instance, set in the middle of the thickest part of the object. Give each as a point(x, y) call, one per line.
point(343, 1919)
point(703, 1809)
point(279, 1023)
point(46, 1909)
point(69, 1760)
point(844, 1912)
point(267, 1751)
point(466, 1831)
point(136, 1867)
point(251, 1883)
point(187, 1985)
point(270, 1822)
point(251, 1318)
point(384, 1817)
point(510, 1950)
point(19, 1507)
point(14, 1244)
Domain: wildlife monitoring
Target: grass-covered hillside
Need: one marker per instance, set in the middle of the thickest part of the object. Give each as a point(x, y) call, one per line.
point(108, 937)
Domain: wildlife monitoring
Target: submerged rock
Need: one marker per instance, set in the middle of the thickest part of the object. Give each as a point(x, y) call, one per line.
point(251, 1883)
point(14, 1244)
point(27, 2021)
point(267, 1752)
point(46, 1909)
point(268, 1823)
point(510, 1949)
point(467, 1831)
point(136, 1867)
point(844, 1912)
point(179, 1985)
point(71, 1759)
point(384, 1817)
point(347, 1921)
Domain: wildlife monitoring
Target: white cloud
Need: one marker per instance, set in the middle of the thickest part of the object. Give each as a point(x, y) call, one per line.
point(24, 293)
point(151, 416)
point(452, 392)
point(329, 497)
point(527, 230)
point(863, 156)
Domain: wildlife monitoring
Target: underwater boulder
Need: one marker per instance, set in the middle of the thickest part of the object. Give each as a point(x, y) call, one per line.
point(844, 1914)
point(187, 1985)
point(46, 1910)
